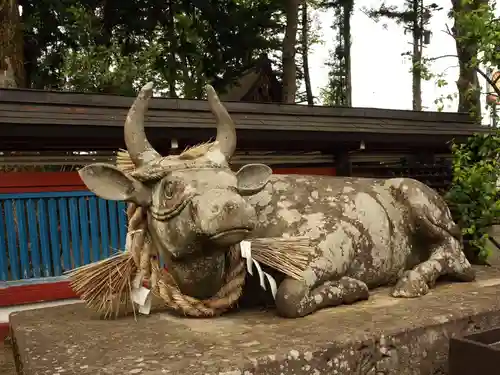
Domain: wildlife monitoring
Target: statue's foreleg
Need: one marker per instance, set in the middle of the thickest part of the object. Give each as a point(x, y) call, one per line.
point(447, 259)
point(296, 299)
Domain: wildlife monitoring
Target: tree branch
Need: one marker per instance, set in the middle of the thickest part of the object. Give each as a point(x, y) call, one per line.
point(439, 57)
point(492, 83)
point(488, 79)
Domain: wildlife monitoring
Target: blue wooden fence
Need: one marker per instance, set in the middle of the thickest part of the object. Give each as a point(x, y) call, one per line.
point(46, 234)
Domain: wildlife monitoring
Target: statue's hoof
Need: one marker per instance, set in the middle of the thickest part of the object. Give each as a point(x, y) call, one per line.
point(410, 285)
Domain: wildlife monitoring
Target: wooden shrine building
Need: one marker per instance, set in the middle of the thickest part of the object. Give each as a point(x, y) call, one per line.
point(61, 128)
point(258, 84)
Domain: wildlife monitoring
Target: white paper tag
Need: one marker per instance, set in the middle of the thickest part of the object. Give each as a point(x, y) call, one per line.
point(246, 253)
point(261, 274)
point(139, 295)
point(272, 284)
point(146, 308)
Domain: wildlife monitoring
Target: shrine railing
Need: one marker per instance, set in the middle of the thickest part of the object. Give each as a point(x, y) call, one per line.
point(44, 234)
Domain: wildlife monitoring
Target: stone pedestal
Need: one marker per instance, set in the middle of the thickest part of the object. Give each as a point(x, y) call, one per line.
point(381, 336)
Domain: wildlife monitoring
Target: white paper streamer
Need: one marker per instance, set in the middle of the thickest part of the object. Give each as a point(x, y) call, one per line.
point(142, 297)
point(246, 253)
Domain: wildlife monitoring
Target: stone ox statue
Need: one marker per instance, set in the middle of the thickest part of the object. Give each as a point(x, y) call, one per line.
point(367, 232)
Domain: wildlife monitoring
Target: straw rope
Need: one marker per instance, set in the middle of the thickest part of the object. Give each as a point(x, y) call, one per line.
point(164, 286)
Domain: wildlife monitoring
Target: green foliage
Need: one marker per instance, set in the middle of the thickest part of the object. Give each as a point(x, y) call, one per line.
point(92, 67)
point(474, 197)
point(405, 16)
point(442, 100)
point(101, 46)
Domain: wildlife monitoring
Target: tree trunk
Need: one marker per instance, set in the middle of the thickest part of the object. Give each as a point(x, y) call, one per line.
point(104, 37)
point(346, 35)
point(289, 42)
point(11, 40)
point(417, 56)
point(469, 93)
point(172, 61)
point(305, 53)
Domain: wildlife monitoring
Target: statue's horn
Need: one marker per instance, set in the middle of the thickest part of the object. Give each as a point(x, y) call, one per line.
point(138, 146)
point(226, 131)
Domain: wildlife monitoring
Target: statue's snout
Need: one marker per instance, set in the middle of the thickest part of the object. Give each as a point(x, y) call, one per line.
point(224, 217)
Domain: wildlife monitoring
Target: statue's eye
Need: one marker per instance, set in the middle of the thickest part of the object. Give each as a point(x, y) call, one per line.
point(169, 197)
point(169, 189)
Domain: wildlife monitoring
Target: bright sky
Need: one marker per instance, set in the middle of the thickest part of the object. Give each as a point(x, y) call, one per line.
point(380, 75)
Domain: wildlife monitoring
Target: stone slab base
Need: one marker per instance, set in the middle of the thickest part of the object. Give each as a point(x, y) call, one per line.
point(381, 336)
point(7, 366)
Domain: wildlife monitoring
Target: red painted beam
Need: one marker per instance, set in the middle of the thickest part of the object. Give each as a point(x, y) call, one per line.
point(36, 182)
point(34, 293)
point(4, 332)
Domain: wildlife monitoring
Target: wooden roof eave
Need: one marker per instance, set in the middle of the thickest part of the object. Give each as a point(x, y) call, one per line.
point(100, 101)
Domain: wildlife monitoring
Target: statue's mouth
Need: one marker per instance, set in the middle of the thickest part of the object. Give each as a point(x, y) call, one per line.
point(231, 236)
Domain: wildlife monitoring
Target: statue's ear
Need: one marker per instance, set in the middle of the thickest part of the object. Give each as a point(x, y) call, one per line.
point(109, 182)
point(252, 178)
